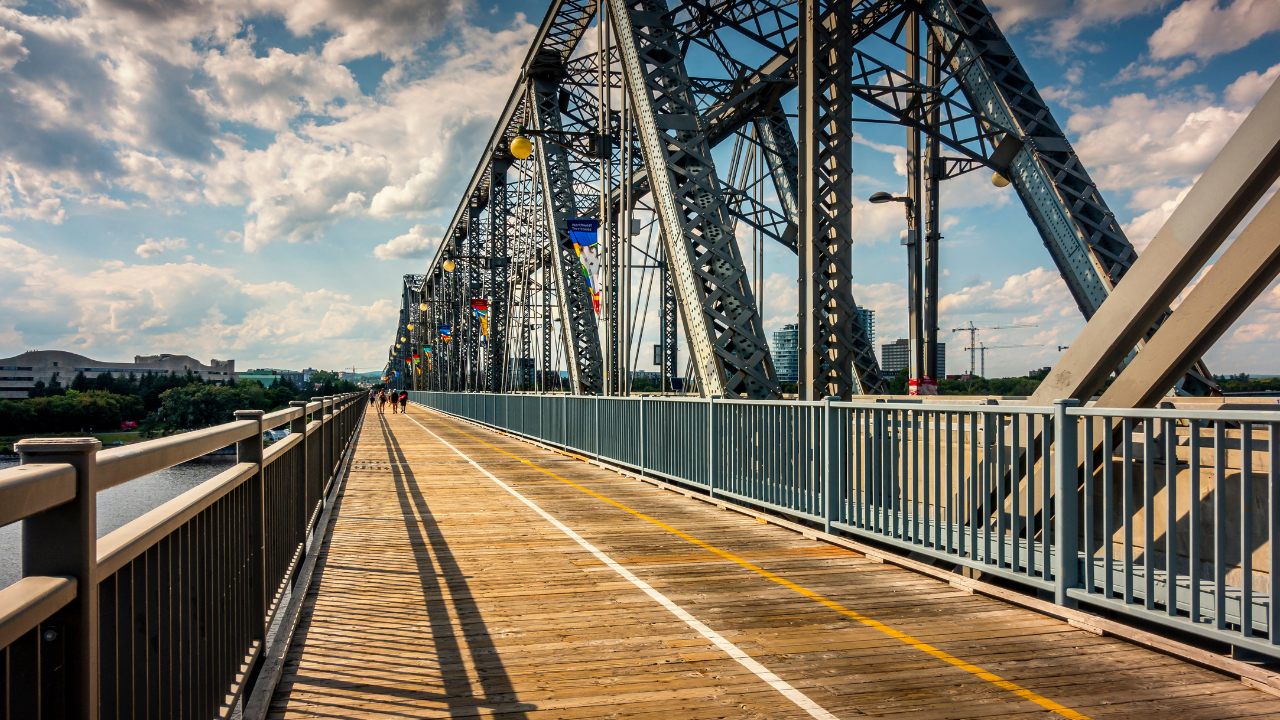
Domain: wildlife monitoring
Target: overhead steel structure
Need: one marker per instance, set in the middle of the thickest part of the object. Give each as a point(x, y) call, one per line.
point(626, 136)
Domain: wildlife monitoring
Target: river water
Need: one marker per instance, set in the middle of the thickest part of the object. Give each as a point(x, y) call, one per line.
point(118, 505)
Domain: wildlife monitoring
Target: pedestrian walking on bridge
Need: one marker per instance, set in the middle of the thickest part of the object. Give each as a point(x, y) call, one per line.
point(404, 399)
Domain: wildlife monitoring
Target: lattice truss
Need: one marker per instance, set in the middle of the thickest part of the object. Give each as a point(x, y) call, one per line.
point(716, 80)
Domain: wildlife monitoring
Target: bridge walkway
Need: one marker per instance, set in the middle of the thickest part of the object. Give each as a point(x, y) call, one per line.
point(467, 573)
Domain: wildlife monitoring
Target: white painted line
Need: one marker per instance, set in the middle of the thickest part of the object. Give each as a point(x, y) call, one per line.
point(733, 651)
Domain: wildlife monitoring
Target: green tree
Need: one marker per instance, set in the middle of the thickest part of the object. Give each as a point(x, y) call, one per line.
point(80, 383)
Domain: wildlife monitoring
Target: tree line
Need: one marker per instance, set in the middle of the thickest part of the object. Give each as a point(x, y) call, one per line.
point(158, 403)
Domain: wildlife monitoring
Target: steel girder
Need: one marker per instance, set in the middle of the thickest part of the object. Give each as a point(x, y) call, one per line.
point(722, 323)
point(577, 312)
point(498, 214)
point(1078, 228)
point(835, 356)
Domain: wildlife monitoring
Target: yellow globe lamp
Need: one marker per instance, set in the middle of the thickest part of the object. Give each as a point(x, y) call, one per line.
point(449, 266)
point(410, 326)
point(422, 307)
point(999, 180)
point(521, 147)
point(403, 339)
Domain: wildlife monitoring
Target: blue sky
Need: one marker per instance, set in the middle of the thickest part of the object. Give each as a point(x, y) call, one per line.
point(249, 179)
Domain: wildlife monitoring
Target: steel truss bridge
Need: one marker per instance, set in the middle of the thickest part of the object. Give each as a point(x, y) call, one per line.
point(628, 136)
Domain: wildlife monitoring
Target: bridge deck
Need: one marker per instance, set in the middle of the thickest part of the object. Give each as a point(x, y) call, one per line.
point(441, 593)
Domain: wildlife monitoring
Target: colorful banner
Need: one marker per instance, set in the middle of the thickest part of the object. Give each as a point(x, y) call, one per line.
point(586, 241)
point(445, 332)
point(480, 308)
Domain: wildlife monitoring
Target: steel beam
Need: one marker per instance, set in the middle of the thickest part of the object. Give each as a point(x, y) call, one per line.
point(835, 357)
point(721, 321)
point(1228, 288)
point(498, 212)
point(577, 312)
point(1227, 190)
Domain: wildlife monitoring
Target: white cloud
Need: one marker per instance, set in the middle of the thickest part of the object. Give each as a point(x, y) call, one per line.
point(1136, 141)
point(419, 242)
point(184, 307)
point(1251, 86)
point(130, 103)
point(1205, 28)
point(11, 50)
point(151, 248)
point(1143, 228)
point(1063, 34)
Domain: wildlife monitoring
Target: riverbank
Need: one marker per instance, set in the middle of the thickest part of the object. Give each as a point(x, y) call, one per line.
point(109, 439)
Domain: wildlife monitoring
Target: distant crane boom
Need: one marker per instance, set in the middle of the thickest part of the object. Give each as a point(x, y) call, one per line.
point(973, 340)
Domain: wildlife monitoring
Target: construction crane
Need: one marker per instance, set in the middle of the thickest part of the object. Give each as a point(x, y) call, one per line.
point(973, 339)
point(982, 349)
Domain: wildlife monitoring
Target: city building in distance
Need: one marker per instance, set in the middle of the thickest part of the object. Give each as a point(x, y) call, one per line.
point(786, 349)
point(896, 357)
point(267, 376)
point(18, 374)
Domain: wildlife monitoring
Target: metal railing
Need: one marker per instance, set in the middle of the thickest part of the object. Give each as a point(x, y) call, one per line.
point(179, 601)
point(982, 487)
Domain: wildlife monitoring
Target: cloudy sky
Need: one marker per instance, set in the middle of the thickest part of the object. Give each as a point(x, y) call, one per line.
point(249, 179)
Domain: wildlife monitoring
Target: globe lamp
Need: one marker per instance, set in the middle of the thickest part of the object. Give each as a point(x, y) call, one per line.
point(449, 266)
point(521, 148)
point(999, 180)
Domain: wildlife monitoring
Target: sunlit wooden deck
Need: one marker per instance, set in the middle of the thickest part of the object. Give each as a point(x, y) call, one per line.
point(440, 593)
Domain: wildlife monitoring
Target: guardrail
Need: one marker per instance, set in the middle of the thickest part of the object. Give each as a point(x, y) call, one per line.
point(178, 601)
point(982, 487)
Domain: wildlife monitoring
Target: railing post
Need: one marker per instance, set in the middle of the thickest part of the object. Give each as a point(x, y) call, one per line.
point(597, 448)
point(249, 450)
point(298, 426)
point(711, 445)
point(324, 450)
point(63, 541)
point(1066, 486)
point(830, 460)
point(564, 421)
point(331, 442)
point(642, 436)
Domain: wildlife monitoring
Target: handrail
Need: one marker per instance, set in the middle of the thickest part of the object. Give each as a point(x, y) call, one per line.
point(28, 602)
point(120, 465)
point(210, 558)
point(28, 489)
point(134, 537)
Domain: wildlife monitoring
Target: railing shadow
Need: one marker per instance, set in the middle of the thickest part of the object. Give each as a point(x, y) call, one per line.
point(436, 570)
point(443, 584)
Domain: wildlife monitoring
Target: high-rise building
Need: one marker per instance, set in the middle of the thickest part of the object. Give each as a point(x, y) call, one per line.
point(786, 352)
point(896, 356)
point(868, 318)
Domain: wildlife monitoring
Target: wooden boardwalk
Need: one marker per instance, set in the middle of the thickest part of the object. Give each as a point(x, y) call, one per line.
point(549, 588)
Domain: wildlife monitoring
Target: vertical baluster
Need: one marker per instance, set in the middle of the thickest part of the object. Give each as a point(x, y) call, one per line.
point(1126, 441)
point(913, 418)
point(1089, 504)
point(1108, 506)
point(1273, 531)
point(1015, 506)
point(1246, 529)
point(975, 504)
point(936, 420)
point(1148, 514)
point(1193, 523)
point(1170, 517)
point(1219, 527)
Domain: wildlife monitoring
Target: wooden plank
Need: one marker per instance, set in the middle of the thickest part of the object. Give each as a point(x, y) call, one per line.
point(438, 594)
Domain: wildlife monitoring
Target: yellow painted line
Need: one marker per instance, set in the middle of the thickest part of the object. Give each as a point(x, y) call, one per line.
point(920, 645)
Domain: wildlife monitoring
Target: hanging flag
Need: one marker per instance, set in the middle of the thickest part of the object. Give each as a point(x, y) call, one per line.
point(480, 308)
point(585, 235)
point(445, 332)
